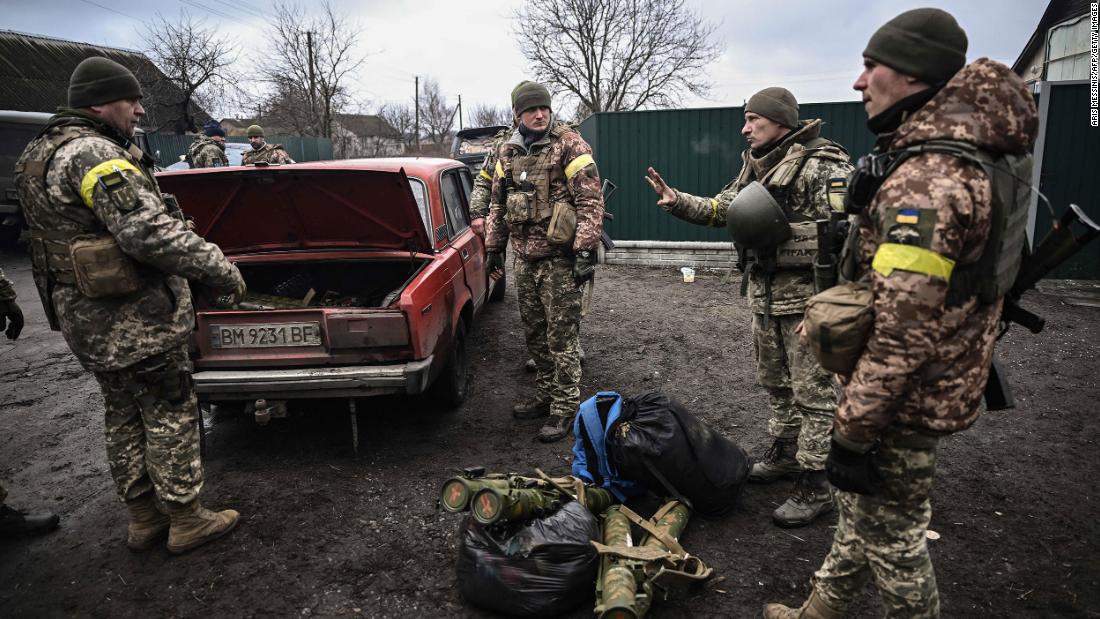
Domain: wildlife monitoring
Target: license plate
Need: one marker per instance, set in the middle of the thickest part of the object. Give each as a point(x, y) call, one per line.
point(266, 336)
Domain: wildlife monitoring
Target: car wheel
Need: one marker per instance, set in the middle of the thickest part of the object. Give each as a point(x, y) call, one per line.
point(451, 386)
point(497, 295)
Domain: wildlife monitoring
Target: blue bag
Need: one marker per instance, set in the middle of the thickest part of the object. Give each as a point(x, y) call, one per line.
point(596, 419)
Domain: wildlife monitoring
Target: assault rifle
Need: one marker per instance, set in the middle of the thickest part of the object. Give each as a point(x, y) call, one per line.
point(510, 498)
point(1066, 237)
point(831, 234)
point(630, 576)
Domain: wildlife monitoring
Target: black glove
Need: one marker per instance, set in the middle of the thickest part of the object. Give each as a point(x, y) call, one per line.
point(852, 471)
point(494, 261)
point(11, 315)
point(584, 267)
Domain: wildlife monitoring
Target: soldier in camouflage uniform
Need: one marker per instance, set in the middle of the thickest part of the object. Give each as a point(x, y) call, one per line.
point(806, 174)
point(262, 152)
point(546, 197)
point(483, 184)
point(925, 365)
point(14, 523)
point(208, 149)
point(112, 264)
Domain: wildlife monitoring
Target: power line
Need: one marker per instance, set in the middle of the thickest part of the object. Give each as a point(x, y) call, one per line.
point(107, 8)
point(193, 3)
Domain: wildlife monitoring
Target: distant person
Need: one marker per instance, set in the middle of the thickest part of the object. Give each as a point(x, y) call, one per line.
point(262, 152)
point(803, 175)
point(546, 198)
point(208, 149)
point(15, 523)
point(112, 264)
point(953, 140)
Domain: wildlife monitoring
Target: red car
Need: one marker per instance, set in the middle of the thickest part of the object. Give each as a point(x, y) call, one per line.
point(364, 278)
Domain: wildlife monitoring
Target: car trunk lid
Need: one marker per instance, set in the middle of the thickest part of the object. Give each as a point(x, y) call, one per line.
point(278, 209)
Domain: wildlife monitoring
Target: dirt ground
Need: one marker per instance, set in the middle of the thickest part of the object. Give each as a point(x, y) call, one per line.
point(326, 533)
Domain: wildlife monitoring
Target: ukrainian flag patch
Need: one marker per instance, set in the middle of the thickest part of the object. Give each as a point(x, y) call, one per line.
point(908, 216)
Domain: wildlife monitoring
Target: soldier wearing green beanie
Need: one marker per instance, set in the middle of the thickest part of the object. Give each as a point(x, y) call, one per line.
point(112, 263)
point(805, 173)
point(262, 152)
point(923, 246)
point(545, 197)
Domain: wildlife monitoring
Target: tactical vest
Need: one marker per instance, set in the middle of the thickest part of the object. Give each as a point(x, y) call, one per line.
point(528, 180)
point(992, 275)
point(797, 252)
point(53, 252)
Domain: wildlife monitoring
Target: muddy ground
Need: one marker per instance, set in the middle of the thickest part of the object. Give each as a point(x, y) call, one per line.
point(326, 533)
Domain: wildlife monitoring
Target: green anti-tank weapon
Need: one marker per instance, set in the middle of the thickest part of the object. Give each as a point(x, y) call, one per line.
point(509, 498)
point(631, 577)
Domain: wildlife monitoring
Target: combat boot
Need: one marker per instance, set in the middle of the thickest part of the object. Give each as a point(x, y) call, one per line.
point(812, 499)
point(778, 463)
point(148, 524)
point(812, 608)
point(14, 523)
point(193, 525)
point(557, 427)
point(531, 409)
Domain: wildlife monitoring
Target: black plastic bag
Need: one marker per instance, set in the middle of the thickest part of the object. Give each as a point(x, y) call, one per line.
point(666, 447)
point(540, 568)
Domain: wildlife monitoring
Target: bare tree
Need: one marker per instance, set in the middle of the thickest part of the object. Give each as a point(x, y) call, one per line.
point(197, 60)
point(402, 118)
point(484, 115)
point(436, 117)
point(614, 55)
point(309, 64)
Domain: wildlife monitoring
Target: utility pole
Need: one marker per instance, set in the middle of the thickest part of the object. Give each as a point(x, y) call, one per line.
point(416, 128)
point(312, 80)
point(460, 112)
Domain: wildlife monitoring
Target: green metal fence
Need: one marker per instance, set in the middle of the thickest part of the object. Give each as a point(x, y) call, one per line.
point(172, 147)
point(697, 151)
point(1067, 159)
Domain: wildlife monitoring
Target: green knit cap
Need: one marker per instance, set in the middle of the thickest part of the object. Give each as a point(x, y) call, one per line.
point(528, 94)
point(927, 44)
point(101, 80)
point(777, 104)
point(255, 131)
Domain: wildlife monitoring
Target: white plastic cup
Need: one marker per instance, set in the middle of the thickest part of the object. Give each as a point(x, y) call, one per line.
point(689, 274)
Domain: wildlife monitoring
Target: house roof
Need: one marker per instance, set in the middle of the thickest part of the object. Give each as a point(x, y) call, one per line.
point(367, 125)
point(35, 71)
point(1057, 11)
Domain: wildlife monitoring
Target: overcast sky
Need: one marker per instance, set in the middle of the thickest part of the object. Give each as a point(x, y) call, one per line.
point(811, 47)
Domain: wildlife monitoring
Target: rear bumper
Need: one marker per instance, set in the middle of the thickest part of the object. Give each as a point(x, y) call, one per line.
point(341, 382)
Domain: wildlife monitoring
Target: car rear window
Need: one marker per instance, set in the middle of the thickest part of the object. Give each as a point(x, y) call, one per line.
point(420, 192)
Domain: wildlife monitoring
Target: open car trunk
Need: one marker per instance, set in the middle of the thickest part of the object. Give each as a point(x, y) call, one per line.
point(310, 313)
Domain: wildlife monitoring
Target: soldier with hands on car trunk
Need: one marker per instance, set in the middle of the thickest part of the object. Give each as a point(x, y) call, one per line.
point(546, 197)
point(790, 177)
point(111, 263)
point(949, 172)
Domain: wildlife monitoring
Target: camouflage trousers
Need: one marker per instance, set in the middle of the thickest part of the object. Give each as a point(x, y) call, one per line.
point(550, 308)
point(882, 537)
point(801, 393)
point(152, 429)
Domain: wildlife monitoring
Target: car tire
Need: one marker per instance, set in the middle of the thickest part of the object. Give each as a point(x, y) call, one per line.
point(451, 386)
point(497, 295)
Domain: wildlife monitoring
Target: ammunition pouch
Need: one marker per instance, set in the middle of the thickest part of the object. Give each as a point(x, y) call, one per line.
point(838, 323)
point(101, 269)
point(799, 250)
point(520, 207)
point(563, 224)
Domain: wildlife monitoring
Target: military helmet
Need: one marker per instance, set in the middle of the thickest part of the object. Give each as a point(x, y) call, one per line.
point(755, 220)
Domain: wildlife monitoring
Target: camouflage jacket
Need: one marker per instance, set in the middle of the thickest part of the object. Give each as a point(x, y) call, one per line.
point(7, 291)
point(483, 182)
point(204, 152)
point(926, 363)
point(808, 196)
point(573, 179)
point(268, 153)
point(110, 333)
